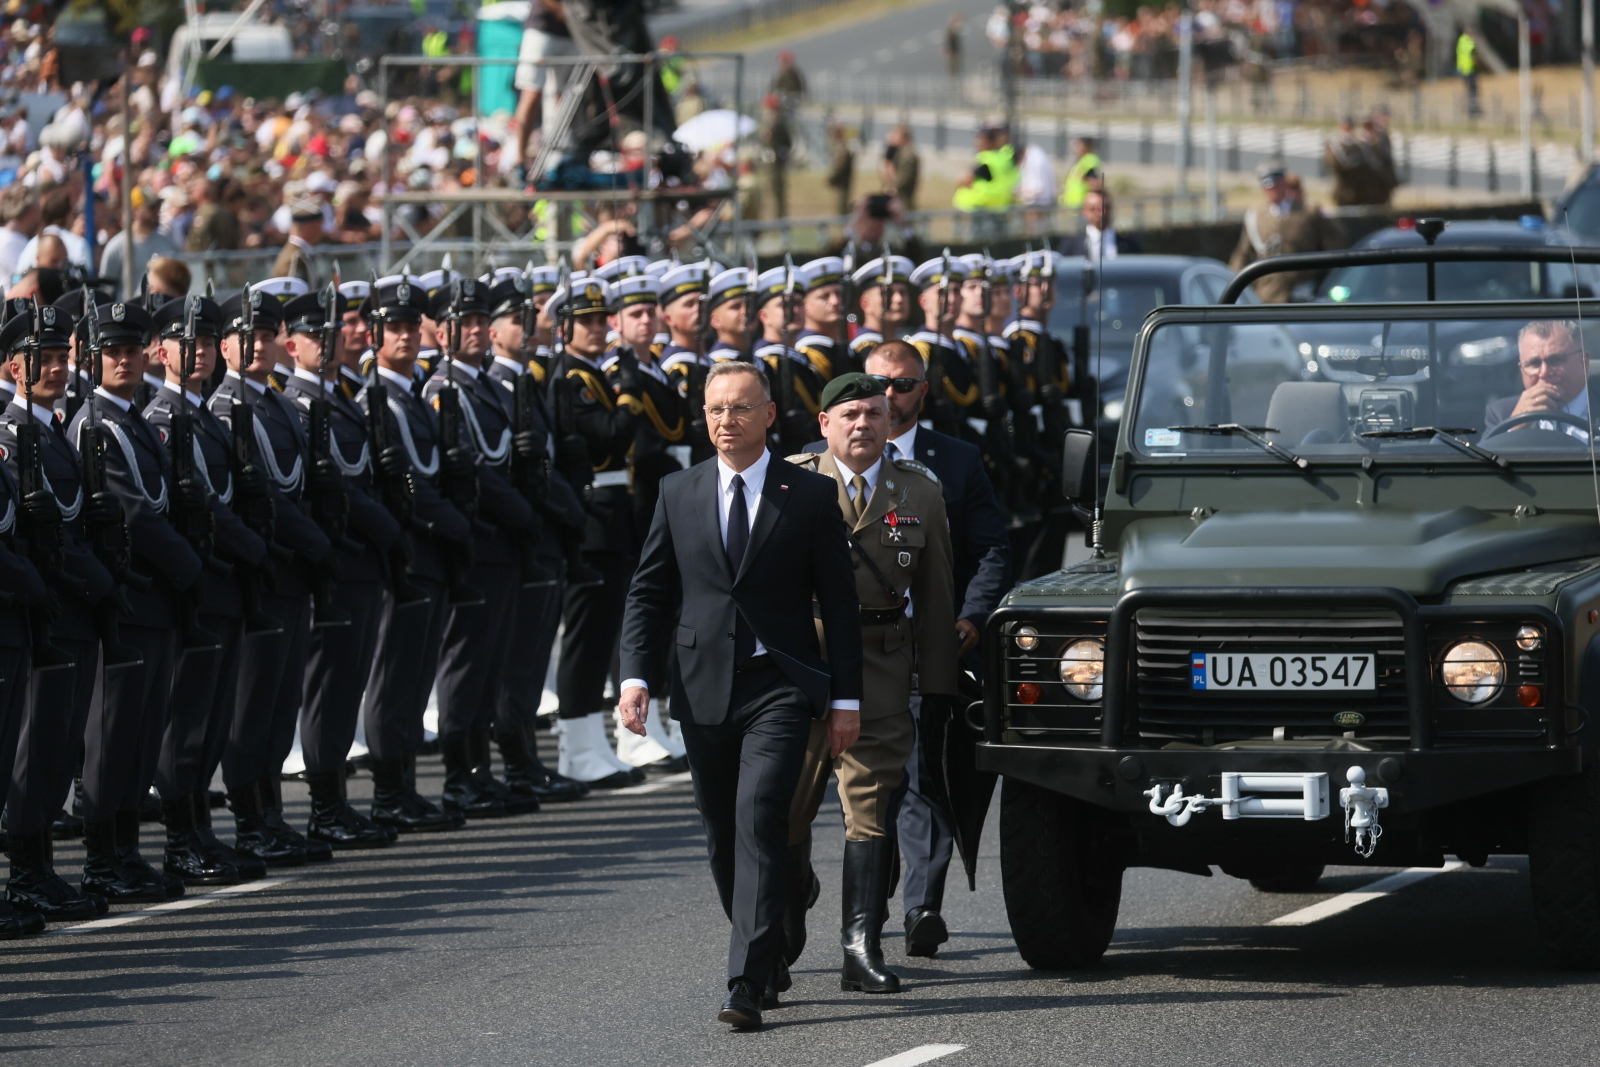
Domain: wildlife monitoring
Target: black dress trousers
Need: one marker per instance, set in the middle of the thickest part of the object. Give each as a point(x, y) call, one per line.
point(127, 719)
point(745, 772)
point(403, 671)
point(533, 630)
point(336, 673)
point(50, 741)
point(202, 710)
point(476, 645)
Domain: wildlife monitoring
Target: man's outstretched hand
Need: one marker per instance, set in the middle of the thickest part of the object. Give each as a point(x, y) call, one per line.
point(635, 708)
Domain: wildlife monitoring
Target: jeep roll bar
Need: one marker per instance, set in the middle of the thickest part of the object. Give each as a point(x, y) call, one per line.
point(1376, 257)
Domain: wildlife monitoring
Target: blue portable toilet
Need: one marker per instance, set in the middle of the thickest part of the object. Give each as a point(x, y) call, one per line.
point(499, 36)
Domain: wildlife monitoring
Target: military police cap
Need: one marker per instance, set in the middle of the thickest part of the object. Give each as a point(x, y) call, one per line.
point(622, 267)
point(852, 386)
point(355, 291)
point(55, 330)
point(396, 298)
point(1270, 174)
point(120, 323)
point(829, 270)
point(283, 289)
point(686, 279)
point(464, 296)
point(933, 272)
point(168, 319)
point(435, 280)
point(731, 284)
point(883, 271)
point(634, 289)
point(265, 311)
point(582, 295)
point(304, 314)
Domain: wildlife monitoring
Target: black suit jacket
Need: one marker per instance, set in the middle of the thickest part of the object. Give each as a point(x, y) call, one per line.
point(798, 553)
point(979, 544)
point(1073, 244)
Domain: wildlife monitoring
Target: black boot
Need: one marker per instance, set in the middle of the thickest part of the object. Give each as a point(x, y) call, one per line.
point(801, 896)
point(462, 793)
point(133, 864)
point(249, 867)
point(396, 804)
point(253, 836)
point(105, 876)
point(271, 789)
point(35, 886)
point(15, 924)
point(333, 821)
point(514, 802)
point(186, 856)
point(866, 885)
point(524, 770)
point(409, 763)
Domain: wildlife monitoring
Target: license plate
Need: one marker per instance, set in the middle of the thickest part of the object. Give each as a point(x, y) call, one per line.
point(1279, 671)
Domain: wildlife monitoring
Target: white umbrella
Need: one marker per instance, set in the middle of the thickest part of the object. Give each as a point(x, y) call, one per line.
point(713, 129)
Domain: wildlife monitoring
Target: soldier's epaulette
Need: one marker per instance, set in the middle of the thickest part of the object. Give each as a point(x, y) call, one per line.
point(806, 459)
point(907, 464)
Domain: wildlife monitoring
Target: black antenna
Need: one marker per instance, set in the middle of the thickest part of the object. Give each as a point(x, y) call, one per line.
point(1583, 346)
point(1095, 540)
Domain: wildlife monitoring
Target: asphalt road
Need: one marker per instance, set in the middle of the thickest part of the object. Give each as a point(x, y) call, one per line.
point(590, 935)
point(907, 40)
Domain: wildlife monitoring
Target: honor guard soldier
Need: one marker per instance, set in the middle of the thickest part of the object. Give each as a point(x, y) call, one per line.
point(475, 475)
point(822, 315)
point(900, 545)
point(539, 283)
point(537, 614)
point(130, 707)
point(883, 286)
point(32, 865)
point(49, 509)
point(342, 500)
point(723, 310)
point(643, 388)
point(428, 355)
point(600, 418)
point(796, 385)
point(268, 437)
point(405, 450)
point(205, 683)
point(1042, 367)
point(728, 314)
point(281, 290)
point(682, 296)
point(355, 353)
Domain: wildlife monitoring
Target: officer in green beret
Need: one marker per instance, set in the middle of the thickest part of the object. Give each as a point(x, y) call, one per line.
point(900, 544)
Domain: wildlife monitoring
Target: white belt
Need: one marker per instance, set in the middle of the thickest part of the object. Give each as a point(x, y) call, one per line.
point(605, 478)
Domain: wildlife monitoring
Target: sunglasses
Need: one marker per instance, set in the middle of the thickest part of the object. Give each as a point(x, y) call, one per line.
point(899, 385)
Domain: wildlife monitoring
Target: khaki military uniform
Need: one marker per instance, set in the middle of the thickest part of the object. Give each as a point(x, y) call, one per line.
point(1267, 234)
point(905, 535)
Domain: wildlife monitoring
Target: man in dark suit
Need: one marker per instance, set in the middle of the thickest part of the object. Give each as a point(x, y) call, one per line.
point(1099, 239)
point(1554, 378)
point(749, 674)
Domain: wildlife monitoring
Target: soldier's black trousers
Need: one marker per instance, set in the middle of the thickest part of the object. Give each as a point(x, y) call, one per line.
point(403, 671)
point(336, 673)
point(538, 615)
point(44, 739)
point(592, 620)
point(926, 843)
point(203, 695)
point(14, 675)
point(127, 720)
point(271, 673)
point(477, 643)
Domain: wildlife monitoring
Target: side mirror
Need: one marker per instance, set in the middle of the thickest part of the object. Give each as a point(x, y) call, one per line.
point(1077, 464)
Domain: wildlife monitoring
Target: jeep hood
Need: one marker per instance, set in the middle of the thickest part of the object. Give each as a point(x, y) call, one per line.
point(1421, 552)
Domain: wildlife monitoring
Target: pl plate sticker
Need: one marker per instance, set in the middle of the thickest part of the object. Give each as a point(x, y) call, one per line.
point(1162, 438)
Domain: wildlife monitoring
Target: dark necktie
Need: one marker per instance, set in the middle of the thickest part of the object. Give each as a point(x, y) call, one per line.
point(744, 638)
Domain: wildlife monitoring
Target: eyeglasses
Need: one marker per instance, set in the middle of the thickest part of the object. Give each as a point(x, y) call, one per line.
point(736, 412)
point(1553, 360)
point(899, 385)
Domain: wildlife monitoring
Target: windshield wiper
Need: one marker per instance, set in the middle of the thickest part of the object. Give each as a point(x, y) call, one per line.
point(1447, 434)
point(1251, 434)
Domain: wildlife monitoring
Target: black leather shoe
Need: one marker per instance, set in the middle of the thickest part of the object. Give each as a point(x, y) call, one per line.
point(186, 856)
point(526, 776)
point(742, 1009)
point(254, 837)
point(36, 888)
point(395, 804)
point(27, 923)
point(104, 874)
point(803, 890)
point(925, 932)
point(333, 821)
point(514, 801)
point(463, 794)
point(866, 880)
point(271, 789)
point(133, 864)
point(249, 867)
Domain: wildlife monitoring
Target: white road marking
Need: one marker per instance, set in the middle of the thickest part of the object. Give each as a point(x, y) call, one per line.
point(173, 905)
point(650, 787)
point(920, 1054)
point(1345, 901)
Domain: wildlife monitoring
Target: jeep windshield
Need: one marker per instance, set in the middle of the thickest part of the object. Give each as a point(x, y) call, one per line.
point(1473, 383)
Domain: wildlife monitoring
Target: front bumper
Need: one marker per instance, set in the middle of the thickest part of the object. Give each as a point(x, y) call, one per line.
point(1115, 779)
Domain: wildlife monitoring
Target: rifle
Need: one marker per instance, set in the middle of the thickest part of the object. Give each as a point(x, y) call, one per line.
point(107, 536)
point(458, 477)
point(39, 516)
point(395, 488)
point(324, 487)
point(190, 509)
point(848, 317)
point(578, 473)
point(885, 291)
point(252, 500)
point(988, 388)
point(789, 410)
point(752, 307)
point(945, 416)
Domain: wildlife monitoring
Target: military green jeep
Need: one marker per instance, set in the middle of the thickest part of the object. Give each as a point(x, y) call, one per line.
point(1347, 612)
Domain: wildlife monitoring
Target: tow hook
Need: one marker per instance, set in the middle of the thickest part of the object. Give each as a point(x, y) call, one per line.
point(1290, 795)
point(1177, 808)
point(1361, 806)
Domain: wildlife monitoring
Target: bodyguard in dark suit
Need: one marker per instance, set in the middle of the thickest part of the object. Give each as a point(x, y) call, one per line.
point(408, 634)
point(477, 637)
point(271, 665)
point(748, 671)
point(128, 715)
point(339, 657)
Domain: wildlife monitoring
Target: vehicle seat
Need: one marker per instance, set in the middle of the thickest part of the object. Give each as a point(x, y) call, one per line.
point(1305, 413)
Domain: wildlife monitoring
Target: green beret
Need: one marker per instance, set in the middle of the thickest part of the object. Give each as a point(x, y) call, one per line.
point(853, 386)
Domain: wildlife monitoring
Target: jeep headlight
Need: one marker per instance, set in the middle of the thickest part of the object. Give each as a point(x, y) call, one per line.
point(1083, 668)
point(1473, 671)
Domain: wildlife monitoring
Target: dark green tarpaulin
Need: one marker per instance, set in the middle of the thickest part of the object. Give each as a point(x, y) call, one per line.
point(275, 80)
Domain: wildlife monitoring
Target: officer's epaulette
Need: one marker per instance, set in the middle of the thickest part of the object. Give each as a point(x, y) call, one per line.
point(806, 459)
point(907, 464)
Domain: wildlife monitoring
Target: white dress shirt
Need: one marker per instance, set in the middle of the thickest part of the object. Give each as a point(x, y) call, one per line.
point(905, 446)
point(1099, 244)
point(755, 479)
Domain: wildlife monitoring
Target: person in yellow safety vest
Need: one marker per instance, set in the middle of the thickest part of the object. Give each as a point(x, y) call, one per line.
point(671, 65)
point(435, 43)
point(992, 184)
point(1085, 164)
point(1467, 67)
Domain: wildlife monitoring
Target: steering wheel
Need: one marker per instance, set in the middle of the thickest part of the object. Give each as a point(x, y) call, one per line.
point(1541, 416)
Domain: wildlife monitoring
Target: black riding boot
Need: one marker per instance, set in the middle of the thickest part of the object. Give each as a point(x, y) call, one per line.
point(249, 867)
point(866, 886)
point(271, 787)
point(514, 802)
point(525, 773)
point(106, 876)
point(802, 894)
point(36, 888)
point(133, 864)
point(463, 795)
point(333, 821)
point(186, 856)
point(396, 804)
point(255, 836)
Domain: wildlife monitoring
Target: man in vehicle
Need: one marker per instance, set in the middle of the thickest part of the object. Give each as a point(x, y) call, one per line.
point(1555, 376)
